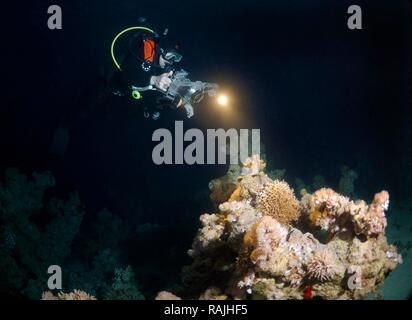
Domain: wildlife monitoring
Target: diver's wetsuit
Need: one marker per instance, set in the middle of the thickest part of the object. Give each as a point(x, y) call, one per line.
point(135, 71)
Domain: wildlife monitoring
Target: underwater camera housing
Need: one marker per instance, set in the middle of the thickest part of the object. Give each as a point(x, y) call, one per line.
point(191, 92)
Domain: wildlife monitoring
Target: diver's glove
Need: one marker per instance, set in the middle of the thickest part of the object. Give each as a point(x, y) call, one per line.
point(189, 110)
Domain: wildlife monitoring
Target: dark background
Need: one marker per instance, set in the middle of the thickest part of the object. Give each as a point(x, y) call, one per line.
point(322, 95)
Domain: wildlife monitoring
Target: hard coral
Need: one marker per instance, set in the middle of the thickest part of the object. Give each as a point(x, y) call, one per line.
point(278, 200)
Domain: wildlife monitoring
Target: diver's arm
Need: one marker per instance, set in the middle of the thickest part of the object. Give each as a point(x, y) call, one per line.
point(162, 81)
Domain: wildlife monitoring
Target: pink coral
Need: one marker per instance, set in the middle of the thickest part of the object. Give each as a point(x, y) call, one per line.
point(165, 295)
point(253, 165)
point(264, 237)
point(373, 221)
point(324, 208)
point(75, 295)
point(322, 266)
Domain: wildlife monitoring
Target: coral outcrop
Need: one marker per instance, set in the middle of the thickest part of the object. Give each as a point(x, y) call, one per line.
point(265, 244)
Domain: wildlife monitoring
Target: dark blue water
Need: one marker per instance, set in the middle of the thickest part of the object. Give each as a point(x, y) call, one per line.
point(322, 95)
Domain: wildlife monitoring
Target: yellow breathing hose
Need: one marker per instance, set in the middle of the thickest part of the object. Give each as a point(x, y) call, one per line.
point(119, 35)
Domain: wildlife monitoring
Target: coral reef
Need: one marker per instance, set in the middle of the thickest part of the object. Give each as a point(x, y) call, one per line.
point(265, 244)
point(75, 295)
point(98, 267)
point(37, 231)
point(28, 245)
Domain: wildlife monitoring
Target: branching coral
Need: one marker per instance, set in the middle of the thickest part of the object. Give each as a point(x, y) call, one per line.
point(278, 200)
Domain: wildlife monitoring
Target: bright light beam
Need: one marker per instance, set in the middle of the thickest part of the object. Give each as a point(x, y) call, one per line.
point(223, 100)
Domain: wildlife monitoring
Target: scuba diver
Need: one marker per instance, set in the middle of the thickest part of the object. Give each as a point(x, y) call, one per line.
point(142, 72)
point(145, 67)
point(145, 70)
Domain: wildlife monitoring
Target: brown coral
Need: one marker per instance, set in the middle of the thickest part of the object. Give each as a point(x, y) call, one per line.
point(324, 208)
point(322, 266)
point(278, 200)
